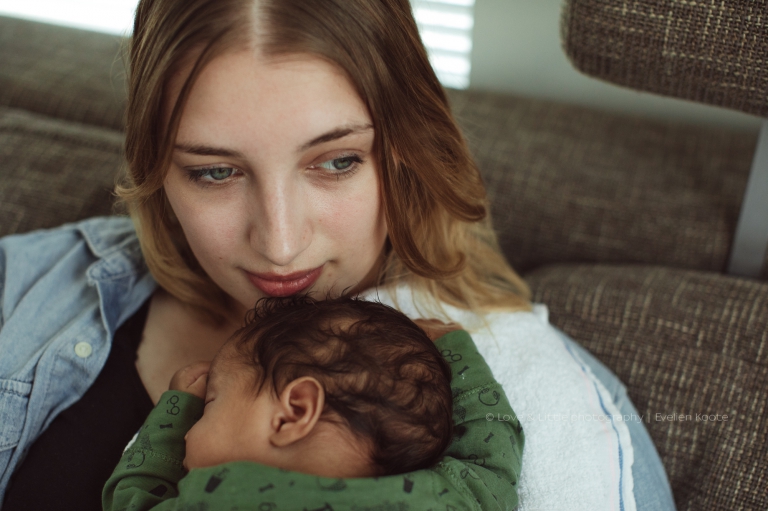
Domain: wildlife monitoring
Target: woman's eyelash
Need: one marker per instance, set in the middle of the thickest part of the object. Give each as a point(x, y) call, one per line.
point(216, 174)
point(343, 166)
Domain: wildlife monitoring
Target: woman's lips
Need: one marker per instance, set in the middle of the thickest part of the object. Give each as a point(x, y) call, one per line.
point(273, 284)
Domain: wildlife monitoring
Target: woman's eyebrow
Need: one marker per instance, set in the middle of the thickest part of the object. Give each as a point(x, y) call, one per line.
point(204, 150)
point(336, 134)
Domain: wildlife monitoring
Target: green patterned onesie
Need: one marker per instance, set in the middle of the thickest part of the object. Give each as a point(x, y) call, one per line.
point(479, 471)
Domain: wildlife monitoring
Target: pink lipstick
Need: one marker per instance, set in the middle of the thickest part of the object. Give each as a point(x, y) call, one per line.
point(274, 284)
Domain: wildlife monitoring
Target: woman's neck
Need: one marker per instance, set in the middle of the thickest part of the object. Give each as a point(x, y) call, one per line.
point(175, 335)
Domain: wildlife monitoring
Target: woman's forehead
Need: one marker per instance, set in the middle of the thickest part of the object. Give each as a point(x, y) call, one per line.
point(241, 97)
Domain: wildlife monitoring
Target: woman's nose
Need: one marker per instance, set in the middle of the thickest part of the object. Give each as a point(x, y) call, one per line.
point(280, 230)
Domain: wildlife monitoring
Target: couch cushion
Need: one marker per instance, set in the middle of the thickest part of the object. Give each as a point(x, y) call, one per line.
point(685, 343)
point(62, 72)
point(571, 184)
point(54, 171)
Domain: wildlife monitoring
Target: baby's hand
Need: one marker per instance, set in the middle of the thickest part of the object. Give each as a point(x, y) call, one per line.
point(435, 328)
point(192, 379)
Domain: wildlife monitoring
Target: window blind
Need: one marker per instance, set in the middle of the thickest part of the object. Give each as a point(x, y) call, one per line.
point(446, 29)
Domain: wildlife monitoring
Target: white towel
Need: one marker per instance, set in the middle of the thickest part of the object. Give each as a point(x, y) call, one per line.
point(578, 453)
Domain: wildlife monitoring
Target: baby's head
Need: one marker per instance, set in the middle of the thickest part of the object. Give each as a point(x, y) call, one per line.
point(338, 388)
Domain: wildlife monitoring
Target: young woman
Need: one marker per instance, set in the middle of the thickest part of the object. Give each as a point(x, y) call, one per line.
point(278, 147)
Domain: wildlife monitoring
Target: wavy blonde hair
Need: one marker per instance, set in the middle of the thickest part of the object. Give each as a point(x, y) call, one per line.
point(440, 235)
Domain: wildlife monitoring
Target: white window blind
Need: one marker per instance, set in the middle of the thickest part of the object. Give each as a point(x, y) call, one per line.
point(446, 29)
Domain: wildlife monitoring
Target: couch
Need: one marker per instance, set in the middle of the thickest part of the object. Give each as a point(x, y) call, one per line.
point(621, 225)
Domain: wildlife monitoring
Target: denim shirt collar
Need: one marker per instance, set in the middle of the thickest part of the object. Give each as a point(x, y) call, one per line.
point(119, 271)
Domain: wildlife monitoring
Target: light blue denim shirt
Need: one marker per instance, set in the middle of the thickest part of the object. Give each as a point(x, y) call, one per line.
point(63, 294)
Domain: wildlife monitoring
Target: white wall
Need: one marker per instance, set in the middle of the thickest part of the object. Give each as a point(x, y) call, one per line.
point(517, 49)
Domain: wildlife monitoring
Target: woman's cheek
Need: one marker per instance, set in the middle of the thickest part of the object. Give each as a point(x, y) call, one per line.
point(360, 227)
point(212, 241)
point(212, 229)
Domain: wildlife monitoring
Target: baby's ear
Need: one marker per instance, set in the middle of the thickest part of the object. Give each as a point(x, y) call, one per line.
point(300, 405)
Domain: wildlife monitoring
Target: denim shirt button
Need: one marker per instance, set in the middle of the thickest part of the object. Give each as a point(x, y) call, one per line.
point(83, 350)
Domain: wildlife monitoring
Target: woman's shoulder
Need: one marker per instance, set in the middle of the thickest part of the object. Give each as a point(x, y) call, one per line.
point(417, 304)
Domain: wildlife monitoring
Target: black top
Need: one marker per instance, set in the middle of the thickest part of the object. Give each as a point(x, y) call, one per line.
point(67, 466)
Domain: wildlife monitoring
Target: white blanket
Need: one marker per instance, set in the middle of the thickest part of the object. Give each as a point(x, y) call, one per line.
point(577, 451)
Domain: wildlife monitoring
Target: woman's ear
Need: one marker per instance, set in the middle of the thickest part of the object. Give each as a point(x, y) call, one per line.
point(300, 405)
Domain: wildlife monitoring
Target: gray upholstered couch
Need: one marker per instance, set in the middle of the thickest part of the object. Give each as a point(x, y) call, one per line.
point(621, 225)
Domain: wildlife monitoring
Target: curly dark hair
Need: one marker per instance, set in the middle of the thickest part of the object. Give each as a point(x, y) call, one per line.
point(382, 375)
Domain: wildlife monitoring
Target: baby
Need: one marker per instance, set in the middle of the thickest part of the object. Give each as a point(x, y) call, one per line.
point(338, 388)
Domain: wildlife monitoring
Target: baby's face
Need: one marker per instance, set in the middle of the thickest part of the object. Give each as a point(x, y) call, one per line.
point(235, 422)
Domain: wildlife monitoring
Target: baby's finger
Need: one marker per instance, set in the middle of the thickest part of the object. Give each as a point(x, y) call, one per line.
point(199, 386)
point(188, 375)
point(194, 371)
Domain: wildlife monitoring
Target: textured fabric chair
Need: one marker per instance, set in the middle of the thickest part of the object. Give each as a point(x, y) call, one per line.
point(622, 226)
point(685, 341)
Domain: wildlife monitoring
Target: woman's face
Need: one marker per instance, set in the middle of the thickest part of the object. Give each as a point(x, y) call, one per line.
point(273, 178)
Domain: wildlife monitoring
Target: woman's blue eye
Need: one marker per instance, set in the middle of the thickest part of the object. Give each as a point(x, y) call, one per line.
point(211, 174)
point(340, 164)
point(220, 173)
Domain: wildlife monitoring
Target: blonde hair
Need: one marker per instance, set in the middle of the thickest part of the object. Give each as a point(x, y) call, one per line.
point(440, 235)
